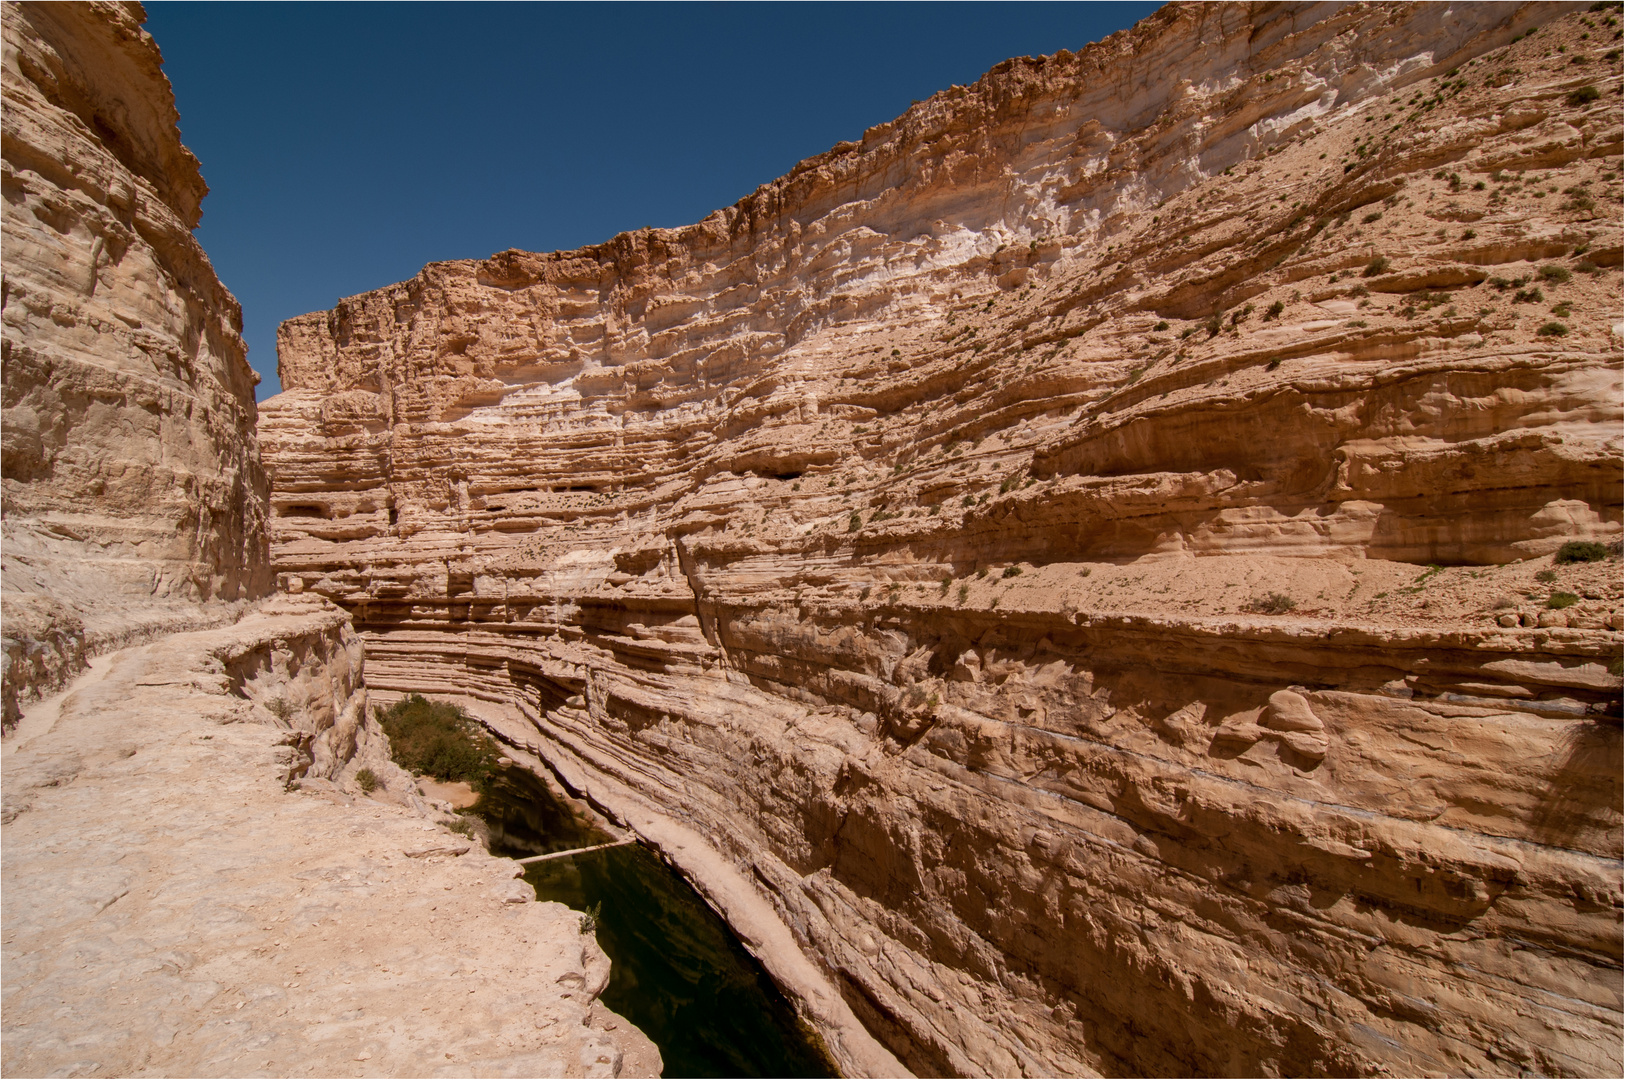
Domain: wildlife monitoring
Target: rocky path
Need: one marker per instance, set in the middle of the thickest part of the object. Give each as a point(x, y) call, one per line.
point(170, 908)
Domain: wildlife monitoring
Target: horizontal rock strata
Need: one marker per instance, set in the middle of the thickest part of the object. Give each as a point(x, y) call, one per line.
point(1085, 552)
point(131, 476)
point(187, 892)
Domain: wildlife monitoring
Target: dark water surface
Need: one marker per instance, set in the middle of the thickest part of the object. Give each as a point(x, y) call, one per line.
point(678, 974)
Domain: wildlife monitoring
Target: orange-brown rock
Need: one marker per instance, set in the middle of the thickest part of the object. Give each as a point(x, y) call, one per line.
point(132, 490)
point(1081, 555)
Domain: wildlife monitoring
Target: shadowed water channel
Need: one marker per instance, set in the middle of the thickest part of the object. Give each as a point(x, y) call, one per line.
point(678, 973)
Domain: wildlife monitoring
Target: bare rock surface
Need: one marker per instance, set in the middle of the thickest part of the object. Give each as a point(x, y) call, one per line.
point(132, 492)
point(1083, 554)
point(171, 907)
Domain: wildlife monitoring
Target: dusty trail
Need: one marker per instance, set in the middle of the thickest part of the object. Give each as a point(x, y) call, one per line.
point(170, 908)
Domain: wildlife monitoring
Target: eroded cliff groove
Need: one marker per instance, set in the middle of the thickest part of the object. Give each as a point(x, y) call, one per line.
point(1085, 553)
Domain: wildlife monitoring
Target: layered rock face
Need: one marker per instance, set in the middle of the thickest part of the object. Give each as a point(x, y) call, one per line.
point(132, 490)
point(1083, 553)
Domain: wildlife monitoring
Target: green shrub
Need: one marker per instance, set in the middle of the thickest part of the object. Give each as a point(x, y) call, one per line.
point(1552, 329)
point(1160, 326)
point(854, 523)
point(1555, 274)
point(438, 739)
point(1562, 600)
point(1274, 310)
point(964, 591)
point(281, 709)
point(1273, 604)
point(1546, 576)
point(1584, 95)
point(367, 779)
point(590, 917)
point(1581, 551)
point(1011, 571)
point(1376, 266)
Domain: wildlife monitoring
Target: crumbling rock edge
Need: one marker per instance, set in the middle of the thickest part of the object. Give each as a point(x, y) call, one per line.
point(231, 903)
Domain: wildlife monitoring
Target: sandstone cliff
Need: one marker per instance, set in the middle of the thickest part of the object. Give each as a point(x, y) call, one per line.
point(1082, 553)
point(193, 882)
point(132, 491)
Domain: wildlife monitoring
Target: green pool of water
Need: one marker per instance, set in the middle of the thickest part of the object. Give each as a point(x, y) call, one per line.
point(678, 972)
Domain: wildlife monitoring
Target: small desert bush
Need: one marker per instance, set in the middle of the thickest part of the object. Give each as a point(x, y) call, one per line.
point(1555, 274)
point(367, 779)
point(1376, 266)
point(1581, 551)
point(438, 739)
point(1546, 576)
point(1562, 600)
point(1273, 604)
point(1552, 329)
point(1011, 571)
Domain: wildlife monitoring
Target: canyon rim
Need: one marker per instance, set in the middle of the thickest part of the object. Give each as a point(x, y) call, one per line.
point(1115, 571)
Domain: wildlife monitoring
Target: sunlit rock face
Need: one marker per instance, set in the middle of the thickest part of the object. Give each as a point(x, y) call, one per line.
point(131, 475)
point(1081, 552)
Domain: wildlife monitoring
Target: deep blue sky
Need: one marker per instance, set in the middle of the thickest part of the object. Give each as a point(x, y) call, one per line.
point(345, 145)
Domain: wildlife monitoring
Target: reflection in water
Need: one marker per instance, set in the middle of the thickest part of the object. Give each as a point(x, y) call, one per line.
point(678, 973)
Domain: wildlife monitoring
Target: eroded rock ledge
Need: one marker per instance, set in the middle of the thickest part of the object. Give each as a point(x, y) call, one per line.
point(1082, 553)
point(188, 892)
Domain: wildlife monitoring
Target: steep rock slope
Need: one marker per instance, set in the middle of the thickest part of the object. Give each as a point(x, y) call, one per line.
point(132, 490)
point(1084, 552)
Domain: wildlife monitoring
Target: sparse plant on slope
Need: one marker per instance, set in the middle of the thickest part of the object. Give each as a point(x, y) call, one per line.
point(1580, 551)
point(1272, 604)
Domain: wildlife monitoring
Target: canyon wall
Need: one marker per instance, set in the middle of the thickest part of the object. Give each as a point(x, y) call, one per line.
point(131, 489)
point(1089, 553)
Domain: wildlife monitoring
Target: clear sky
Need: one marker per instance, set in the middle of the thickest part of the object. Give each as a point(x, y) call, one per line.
point(346, 145)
